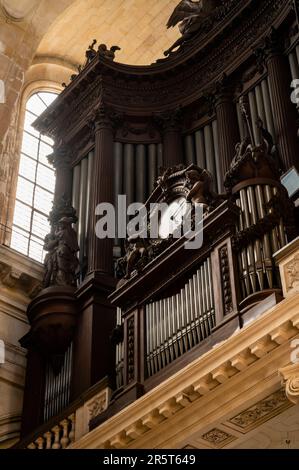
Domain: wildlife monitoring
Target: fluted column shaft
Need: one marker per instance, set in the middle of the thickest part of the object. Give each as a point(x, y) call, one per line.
point(283, 109)
point(101, 250)
point(61, 160)
point(228, 131)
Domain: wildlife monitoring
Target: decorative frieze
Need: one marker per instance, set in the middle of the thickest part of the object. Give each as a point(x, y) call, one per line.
point(261, 411)
point(218, 437)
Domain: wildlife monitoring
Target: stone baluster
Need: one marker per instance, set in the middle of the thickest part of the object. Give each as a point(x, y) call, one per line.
point(40, 442)
point(72, 419)
point(64, 441)
point(56, 444)
point(31, 446)
point(48, 437)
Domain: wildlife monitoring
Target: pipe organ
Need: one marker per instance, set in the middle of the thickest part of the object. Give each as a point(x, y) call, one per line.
point(57, 386)
point(176, 324)
point(169, 132)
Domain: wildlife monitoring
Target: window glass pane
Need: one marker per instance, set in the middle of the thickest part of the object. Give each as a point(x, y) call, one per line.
point(47, 140)
point(19, 240)
point(36, 182)
point(22, 216)
point(43, 200)
point(30, 145)
point(45, 177)
point(25, 191)
point(47, 97)
point(27, 168)
point(36, 105)
point(36, 249)
point(29, 119)
point(40, 225)
point(44, 151)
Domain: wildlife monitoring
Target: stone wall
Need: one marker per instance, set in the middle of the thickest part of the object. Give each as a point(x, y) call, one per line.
point(20, 280)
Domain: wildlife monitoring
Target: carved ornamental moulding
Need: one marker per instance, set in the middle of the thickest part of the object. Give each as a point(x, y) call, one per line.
point(150, 89)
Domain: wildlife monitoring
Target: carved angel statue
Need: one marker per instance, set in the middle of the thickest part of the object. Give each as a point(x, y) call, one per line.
point(200, 183)
point(190, 15)
point(61, 262)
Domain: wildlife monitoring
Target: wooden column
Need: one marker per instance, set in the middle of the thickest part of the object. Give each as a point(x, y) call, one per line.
point(61, 160)
point(93, 351)
point(228, 130)
point(100, 257)
point(172, 139)
point(284, 111)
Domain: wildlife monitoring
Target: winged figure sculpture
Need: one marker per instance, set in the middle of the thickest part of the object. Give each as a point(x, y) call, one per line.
point(189, 15)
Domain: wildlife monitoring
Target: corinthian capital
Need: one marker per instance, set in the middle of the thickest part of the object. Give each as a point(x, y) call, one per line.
point(169, 120)
point(61, 157)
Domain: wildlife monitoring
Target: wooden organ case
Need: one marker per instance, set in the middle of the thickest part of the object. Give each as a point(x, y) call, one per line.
point(218, 105)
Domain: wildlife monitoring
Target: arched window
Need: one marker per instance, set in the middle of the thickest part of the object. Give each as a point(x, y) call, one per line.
point(36, 181)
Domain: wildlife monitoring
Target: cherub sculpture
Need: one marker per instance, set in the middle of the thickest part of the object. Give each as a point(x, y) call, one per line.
point(200, 183)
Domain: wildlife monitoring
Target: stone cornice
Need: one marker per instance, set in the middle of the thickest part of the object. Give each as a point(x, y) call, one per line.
point(17, 272)
point(252, 355)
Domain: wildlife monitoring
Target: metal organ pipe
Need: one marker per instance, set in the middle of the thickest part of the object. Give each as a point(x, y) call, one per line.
point(210, 155)
point(82, 207)
point(189, 150)
point(76, 186)
point(129, 172)
point(177, 323)
point(217, 157)
point(152, 166)
point(140, 173)
point(254, 115)
point(294, 65)
point(88, 196)
point(268, 107)
point(200, 149)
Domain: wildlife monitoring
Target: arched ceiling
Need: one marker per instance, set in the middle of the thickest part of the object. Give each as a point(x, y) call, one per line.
point(137, 26)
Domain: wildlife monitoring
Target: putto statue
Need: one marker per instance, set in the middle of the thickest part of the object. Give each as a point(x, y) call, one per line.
point(190, 16)
point(61, 262)
point(200, 183)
